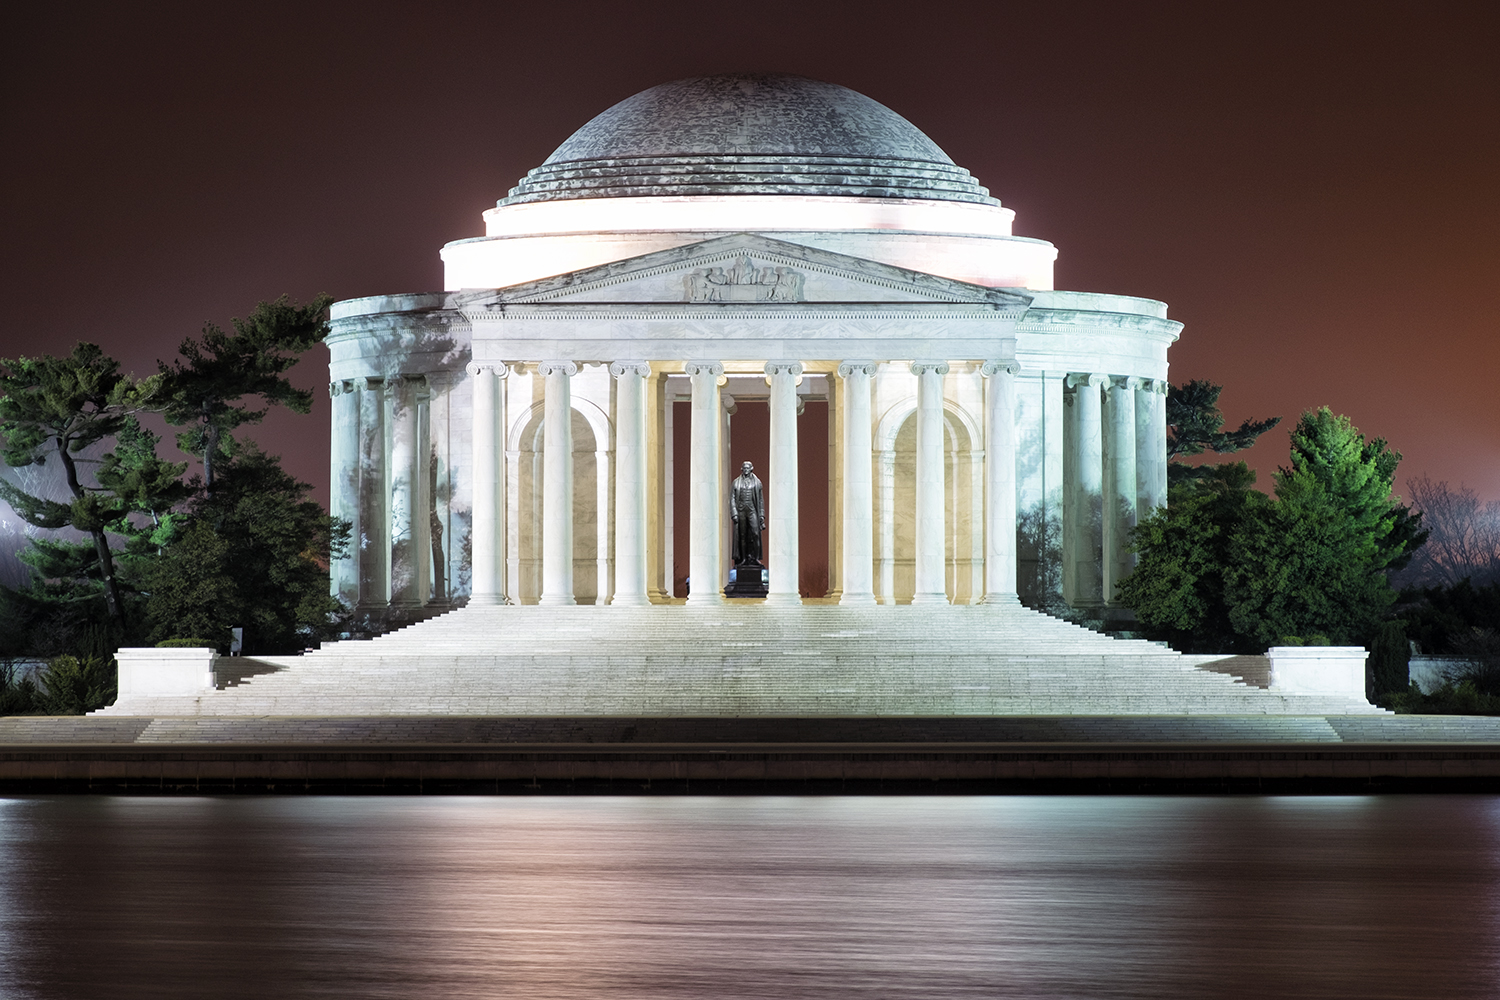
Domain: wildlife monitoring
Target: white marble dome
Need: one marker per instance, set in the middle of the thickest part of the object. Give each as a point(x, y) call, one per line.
point(748, 134)
point(812, 162)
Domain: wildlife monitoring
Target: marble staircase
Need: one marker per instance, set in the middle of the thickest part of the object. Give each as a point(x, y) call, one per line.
point(736, 660)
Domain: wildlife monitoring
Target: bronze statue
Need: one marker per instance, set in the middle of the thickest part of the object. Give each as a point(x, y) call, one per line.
point(747, 508)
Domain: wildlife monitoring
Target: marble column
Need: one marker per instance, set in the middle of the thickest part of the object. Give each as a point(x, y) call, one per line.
point(1151, 445)
point(374, 524)
point(410, 531)
point(859, 493)
point(630, 482)
point(487, 525)
point(704, 502)
point(438, 412)
point(1086, 484)
point(343, 498)
point(557, 482)
point(931, 570)
point(1000, 482)
point(1119, 482)
point(782, 524)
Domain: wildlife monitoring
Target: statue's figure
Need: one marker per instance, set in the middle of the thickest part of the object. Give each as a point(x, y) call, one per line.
point(747, 508)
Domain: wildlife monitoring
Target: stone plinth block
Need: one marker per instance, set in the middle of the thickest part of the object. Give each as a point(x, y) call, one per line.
point(1326, 670)
point(146, 671)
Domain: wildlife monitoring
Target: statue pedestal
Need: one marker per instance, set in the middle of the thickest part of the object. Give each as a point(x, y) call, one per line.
point(749, 580)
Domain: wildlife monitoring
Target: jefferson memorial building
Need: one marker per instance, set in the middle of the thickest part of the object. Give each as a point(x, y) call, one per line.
point(745, 267)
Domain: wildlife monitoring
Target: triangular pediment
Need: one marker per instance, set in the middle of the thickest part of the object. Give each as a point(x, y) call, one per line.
point(745, 270)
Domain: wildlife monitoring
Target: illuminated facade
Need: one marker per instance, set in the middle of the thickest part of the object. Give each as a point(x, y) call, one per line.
point(517, 438)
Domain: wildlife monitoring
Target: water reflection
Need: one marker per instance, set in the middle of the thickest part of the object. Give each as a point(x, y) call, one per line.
point(750, 897)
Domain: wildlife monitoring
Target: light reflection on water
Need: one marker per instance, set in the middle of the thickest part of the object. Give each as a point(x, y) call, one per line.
point(750, 897)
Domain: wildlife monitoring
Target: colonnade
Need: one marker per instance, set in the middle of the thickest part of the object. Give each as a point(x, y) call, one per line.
point(389, 459)
point(381, 459)
point(1115, 466)
point(707, 506)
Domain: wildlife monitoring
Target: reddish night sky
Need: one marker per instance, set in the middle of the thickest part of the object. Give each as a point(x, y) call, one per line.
point(1311, 187)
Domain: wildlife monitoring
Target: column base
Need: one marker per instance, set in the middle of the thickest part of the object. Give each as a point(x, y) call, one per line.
point(784, 600)
point(933, 598)
point(487, 600)
point(630, 601)
point(864, 600)
point(697, 600)
point(556, 600)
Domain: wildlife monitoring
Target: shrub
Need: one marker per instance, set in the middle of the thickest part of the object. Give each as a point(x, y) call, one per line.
point(72, 685)
point(186, 644)
point(1463, 698)
point(18, 696)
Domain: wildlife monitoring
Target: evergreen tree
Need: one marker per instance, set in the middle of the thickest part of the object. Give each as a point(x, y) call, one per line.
point(1227, 569)
point(1359, 475)
point(1306, 566)
point(1177, 588)
point(147, 491)
point(1195, 425)
point(57, 408)
point(207, 385)
point(254, 554)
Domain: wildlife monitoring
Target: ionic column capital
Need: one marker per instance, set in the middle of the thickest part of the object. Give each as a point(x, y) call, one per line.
point(557, 367)
point(923, 367)
point(621, 368)
point(714, 368)
point(1134, 383)
point(499, 369)
point(992, 368)
point(342, 387)
point(1076, 380)
point(792, 368)
point(372, 383)
point(866, 368)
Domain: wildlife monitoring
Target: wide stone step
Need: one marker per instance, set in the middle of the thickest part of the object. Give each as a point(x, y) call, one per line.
point(738, 661)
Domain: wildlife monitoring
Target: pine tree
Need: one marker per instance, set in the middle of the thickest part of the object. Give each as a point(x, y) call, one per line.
point(1195, 425)
point(56, 408)
point(207, 385)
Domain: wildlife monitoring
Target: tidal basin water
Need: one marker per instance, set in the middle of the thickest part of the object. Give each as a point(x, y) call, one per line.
point(1364, 897)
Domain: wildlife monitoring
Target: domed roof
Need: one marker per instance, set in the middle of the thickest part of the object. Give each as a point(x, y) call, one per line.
point(748, 133)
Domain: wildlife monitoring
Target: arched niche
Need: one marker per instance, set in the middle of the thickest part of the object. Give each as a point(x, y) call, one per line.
point(591, 515)
point(895, 477)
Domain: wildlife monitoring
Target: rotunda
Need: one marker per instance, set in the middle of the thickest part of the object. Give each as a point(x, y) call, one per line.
point(736, 266)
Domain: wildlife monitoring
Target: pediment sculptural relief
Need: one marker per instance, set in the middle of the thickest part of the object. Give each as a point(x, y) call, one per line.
point(744, 282)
